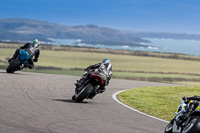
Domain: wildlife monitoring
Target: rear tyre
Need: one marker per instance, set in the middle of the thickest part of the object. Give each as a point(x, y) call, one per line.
point(84, 93)
point(73, 97)
point(12, 66)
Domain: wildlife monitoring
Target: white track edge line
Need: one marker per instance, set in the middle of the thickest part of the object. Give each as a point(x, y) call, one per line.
point(114, 96)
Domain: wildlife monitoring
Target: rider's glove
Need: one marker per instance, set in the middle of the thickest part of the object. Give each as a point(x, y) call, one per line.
point(186, 99)
point(35, 60)
point(88, 68)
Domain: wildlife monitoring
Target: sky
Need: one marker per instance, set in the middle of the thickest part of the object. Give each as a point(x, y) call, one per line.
point(182, 16)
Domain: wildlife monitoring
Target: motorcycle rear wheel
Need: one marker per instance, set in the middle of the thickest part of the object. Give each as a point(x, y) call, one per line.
point(84, 93)
point(12, 66)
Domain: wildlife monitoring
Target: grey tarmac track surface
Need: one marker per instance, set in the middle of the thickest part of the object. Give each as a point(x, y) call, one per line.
point(41, 103)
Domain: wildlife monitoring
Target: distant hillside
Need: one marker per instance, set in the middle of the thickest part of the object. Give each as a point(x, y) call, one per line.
point(26, 30)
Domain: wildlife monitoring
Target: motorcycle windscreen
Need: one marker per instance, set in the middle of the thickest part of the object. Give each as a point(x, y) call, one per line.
point(23, 55)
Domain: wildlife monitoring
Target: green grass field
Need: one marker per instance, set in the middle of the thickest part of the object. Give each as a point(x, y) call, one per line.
point(161, 102)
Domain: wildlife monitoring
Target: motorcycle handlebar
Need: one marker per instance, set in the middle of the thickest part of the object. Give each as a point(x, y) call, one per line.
point(195, 100)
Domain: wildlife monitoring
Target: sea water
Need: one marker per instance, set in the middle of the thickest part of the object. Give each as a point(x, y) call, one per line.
point(191, 47)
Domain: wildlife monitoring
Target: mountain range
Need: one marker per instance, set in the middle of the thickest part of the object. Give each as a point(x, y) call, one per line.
point(26, 30)
point(15, 29)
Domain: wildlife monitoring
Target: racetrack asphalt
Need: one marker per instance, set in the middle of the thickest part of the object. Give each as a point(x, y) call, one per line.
point(41, 103)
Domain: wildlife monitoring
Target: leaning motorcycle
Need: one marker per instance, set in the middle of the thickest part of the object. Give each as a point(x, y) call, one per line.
point(190, 123)
point(89, 88)
point(19, 62)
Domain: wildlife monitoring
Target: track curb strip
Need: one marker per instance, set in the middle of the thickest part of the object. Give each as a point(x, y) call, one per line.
point(114, 96)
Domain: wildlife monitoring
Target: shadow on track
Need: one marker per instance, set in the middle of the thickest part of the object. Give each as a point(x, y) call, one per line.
point(13, 73)
point(68, 101)
point(3, 72)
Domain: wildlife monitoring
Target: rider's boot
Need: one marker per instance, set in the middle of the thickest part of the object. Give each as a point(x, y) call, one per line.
point(101, 89)
point(28, 66)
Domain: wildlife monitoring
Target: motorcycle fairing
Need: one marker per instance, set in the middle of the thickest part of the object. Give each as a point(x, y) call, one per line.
point(176, 129)
point(23, 55)
point(98, 78)
point(198, 108)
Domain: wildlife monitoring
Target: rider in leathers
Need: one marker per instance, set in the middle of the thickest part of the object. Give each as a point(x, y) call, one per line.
point(192, 106)
point(32, 49)
point(104, 71)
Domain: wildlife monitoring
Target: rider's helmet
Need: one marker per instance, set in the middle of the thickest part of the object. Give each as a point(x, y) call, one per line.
point(36, 42)
point(106, 61)
point(107, 64)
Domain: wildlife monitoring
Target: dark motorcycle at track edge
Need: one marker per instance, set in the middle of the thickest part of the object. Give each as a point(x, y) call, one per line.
point(187, 118)
point(19, 63)
point(89, 88)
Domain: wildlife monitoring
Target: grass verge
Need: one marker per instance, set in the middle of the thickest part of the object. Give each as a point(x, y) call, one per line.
point(156, 67)
point(161, 101)
point(61, 72)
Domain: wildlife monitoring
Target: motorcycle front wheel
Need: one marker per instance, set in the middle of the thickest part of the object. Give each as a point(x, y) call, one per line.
point(168, 128)
point(193, 126)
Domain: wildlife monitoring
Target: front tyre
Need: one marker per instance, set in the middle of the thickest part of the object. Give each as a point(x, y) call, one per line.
point(84, 93)
point(168, 128)
point(13, 65)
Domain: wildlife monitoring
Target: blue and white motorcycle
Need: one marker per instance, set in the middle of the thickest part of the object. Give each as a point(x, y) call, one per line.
point(187, 117)
point(18, 63)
